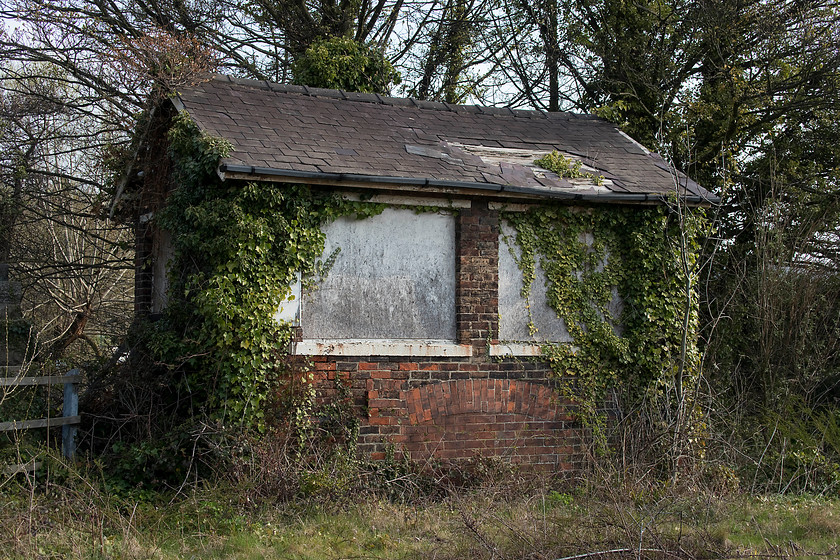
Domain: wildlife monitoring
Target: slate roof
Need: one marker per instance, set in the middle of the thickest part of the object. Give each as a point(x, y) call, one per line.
point(295, 133)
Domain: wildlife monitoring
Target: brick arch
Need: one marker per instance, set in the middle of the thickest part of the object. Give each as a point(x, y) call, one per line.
point(481, 396)
point(519, 420)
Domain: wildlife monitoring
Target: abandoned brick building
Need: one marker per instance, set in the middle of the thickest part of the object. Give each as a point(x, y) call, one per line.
point(422, 312)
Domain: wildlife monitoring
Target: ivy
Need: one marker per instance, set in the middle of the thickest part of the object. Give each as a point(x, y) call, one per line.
point(342, 63)
point(566, 167)
point(237, 250)
point(591, 256)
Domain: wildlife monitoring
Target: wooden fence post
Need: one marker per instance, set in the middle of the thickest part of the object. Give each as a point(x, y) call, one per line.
point(71, 408)
point(69, 420)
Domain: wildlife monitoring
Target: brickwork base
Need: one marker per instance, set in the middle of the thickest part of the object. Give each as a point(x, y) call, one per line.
point(454, 409)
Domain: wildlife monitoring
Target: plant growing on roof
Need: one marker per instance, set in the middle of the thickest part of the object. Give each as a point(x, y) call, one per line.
point(566, 167)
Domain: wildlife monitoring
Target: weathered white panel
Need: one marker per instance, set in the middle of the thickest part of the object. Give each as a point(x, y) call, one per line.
point(394, 278)
point(513, 309)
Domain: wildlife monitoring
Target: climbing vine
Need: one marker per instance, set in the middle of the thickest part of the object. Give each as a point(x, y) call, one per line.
point(237, 249)
point(592, 257)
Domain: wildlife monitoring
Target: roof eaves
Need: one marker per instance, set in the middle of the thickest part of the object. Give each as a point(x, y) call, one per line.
point(588, 196)
point(178, 103)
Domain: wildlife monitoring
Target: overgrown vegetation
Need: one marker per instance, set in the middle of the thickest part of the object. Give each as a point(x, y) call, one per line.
point(237, 250)
point(67, 512)
point(214, 365)
point(566, 167)
point(591, 260)
point(742, 96)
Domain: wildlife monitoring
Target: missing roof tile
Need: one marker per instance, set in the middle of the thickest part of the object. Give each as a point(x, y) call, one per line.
point(428, 151)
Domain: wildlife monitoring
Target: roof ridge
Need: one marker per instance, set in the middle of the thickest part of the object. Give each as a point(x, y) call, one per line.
point(397, 101)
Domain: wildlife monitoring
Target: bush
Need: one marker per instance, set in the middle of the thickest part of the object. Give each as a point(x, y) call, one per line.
point(342, 63)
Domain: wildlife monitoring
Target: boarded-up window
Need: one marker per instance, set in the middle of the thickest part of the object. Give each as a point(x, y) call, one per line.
point(515, 313)
point(393, 278)
point(532, 319)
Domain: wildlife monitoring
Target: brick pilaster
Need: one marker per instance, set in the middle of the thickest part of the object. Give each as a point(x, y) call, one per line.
point(477, 288)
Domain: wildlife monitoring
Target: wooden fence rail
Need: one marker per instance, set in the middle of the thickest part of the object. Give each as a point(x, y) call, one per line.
point(69, 420)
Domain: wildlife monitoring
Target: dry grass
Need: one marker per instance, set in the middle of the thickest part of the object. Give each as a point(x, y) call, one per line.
point(65, 513)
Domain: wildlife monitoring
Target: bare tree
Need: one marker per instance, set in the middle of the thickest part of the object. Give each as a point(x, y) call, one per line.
point(75, 84)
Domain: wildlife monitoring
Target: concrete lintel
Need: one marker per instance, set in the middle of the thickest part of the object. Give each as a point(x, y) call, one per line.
point(510, 206)
point(418, 348)
point(403, 200)
point(515, 349)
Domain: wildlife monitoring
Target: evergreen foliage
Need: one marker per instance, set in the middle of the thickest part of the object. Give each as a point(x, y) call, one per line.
point(589, 258)
point(741, 96)
point(342, 63)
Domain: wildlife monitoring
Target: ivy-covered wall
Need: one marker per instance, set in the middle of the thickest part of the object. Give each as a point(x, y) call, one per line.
point(236, 250)
point(590, 259)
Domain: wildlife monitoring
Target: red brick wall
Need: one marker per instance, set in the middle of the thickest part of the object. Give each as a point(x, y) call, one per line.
point(451, 408)
point(456, 408)
point(477, 284)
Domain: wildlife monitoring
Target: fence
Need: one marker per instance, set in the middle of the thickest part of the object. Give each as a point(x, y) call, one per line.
point(69, 420)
